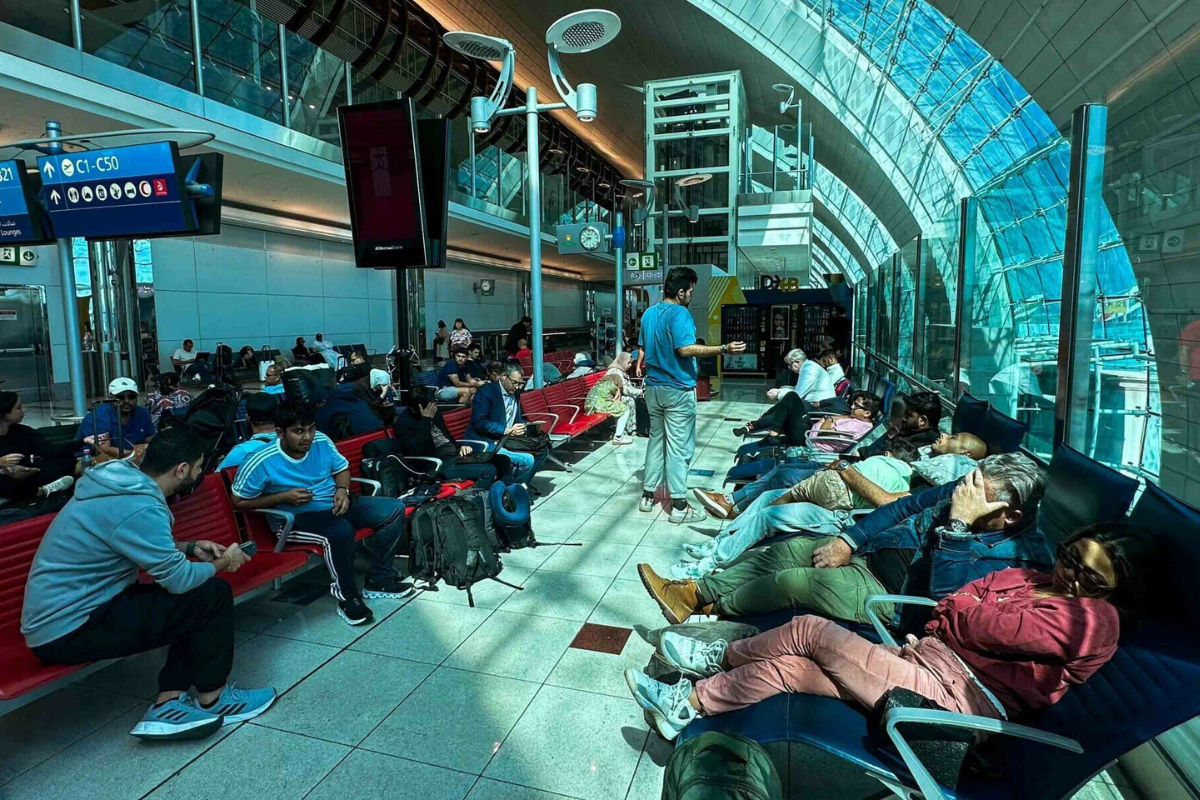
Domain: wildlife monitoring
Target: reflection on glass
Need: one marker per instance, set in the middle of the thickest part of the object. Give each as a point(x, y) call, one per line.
point(316, 87)
point(241, 58)
point(154, 39)
point(48, 18)
point(934, 353)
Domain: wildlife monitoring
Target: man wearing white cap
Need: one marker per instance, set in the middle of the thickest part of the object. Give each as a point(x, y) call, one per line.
point(120, 426)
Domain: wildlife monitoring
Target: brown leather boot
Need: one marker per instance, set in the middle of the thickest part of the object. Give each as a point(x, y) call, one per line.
point(716, 503)
point(678, 600)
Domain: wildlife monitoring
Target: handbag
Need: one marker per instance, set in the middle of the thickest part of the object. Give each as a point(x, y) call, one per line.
point(940, 748)
point(534, 440)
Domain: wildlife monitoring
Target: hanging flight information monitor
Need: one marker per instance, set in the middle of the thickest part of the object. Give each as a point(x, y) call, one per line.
point(21, 218)
point(116, 193)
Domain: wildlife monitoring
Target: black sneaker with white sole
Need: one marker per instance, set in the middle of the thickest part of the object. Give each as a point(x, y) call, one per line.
point(390, 589)
point(355, 612)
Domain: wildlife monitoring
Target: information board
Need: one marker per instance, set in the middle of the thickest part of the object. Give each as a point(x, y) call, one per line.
point(20, 220)
point(116, 193)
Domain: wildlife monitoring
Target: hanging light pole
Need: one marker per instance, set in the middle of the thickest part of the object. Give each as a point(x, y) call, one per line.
point(580, 32)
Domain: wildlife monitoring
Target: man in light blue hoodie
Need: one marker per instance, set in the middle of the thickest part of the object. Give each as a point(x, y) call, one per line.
point(83, 602)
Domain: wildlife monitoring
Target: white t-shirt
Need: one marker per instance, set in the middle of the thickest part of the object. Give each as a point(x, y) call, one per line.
point(183, 355)
point(813, 384)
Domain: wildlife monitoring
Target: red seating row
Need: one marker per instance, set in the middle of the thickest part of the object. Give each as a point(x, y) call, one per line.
point(207, 513)
point(563, 361)
point(560, 406)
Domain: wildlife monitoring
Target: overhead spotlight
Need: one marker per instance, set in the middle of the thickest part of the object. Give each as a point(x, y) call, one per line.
point(790, 91)
point(694, 180)
point(580, 32)
point(580, 168)
point(486, 48)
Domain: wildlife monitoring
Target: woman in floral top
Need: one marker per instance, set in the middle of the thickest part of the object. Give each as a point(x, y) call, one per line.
point(461, 335)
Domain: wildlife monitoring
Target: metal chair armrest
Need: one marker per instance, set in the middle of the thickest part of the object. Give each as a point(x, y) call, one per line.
point(375, 485)
point(402, 461)
point(289, 521)
point(574, 410)
point(931, 789)
point(553, 418)
point(896, 600)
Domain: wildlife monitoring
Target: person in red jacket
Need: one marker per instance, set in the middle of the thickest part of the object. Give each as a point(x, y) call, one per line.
point(1005, 644)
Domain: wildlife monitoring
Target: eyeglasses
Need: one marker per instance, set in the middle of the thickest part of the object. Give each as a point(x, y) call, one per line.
point(1085, 576)
point(128, 397)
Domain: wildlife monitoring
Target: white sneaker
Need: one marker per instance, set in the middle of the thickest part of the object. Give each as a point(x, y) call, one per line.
point(60, 485)
point(692, 570)
point(646, 504)
point(687, 514)
point(668, 704)
point(692, 657)
point(618, 441)
point(700, 550)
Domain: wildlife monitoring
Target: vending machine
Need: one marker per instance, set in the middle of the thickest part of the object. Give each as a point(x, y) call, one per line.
point(748, 324)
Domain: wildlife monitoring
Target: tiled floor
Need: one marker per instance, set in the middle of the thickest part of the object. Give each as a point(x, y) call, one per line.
point(434, 701)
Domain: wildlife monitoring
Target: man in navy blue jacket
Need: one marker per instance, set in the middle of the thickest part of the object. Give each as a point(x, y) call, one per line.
point(496, 413)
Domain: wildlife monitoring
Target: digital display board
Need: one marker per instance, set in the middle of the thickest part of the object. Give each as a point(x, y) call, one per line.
point(21, 221)
point(115, 193)
point(383, 181)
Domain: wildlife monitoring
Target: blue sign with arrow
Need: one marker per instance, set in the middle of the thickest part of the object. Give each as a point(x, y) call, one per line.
point(19, 222)
point(118, 192)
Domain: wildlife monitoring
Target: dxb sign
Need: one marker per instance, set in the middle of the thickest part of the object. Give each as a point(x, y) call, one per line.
point(779, 282)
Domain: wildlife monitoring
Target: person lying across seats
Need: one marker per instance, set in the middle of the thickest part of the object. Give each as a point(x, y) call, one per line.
point(819, 504)
point(83, 602)
point(303, 473)
point(988, 523)
point(917, 425)
point(1001, 646)
point(792, 419)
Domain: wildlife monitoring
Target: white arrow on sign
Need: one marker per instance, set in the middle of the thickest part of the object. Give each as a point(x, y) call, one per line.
point(48, 168)
point(55, 196)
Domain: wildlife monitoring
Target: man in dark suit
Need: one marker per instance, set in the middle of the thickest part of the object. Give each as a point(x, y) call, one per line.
point(496, 413)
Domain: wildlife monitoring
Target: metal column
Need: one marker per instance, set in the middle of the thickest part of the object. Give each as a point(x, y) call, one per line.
point(76, 25)
point(1084, 202)
point(534, 190)
point(620, 253)
point(967, 230)
point(283, 78)
point(66, 272)
point(197, 53)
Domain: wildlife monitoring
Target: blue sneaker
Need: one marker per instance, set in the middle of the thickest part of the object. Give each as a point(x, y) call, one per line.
point(177, 719)
point(692, 657)
point(667, 703)
point(239, 705)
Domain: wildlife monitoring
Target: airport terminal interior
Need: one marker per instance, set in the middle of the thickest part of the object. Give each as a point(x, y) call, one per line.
point(598, 399)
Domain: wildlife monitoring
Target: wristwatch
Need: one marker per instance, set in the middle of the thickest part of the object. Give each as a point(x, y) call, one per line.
point(724, 348)
point(841, 466)
point(189, 549)
point(958, 526)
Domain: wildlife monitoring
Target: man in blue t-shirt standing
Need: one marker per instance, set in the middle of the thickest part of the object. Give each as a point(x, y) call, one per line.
point(303, 474)
point(669, 351)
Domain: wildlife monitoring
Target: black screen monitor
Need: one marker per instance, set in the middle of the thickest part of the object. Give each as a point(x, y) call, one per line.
point(433, 147)
point(383, 182)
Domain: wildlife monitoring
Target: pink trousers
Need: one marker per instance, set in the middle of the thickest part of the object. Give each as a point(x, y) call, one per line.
point(813, 655)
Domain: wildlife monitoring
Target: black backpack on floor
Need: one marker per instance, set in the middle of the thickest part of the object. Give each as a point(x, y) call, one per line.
point(450, 542)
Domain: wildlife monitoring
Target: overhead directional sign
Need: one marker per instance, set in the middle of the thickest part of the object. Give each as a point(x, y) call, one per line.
point(21, 221)
point(120, 192)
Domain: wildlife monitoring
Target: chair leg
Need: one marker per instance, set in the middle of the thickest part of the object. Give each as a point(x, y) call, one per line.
point(555, 460)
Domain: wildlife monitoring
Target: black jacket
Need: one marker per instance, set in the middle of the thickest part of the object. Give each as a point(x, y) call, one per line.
point(414, 433)
point(515, 334)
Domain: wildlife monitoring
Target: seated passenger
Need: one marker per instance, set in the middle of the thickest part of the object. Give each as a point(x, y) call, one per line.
point(828, 359)
point(260, 410)
point(83, 602)
point(496, 413)
point(916, 424)
point(326, 350)
point(452, 379)
point(523, 350)
point(989, 523)
point(819, 504)
point(375, 389)
point(618, 375)
point(813, 384)
point(300, 352)
point(584, 364)
point(1003, 645)
point(168, 399)
point(303, 474)
point(357, 369)
point(475, 368)
point(119, 427)
point(273, 380)
point(420, 430)
point(30, 467)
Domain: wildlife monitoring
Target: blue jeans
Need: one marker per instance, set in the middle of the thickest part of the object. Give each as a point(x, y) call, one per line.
point(524, 465)
point(763, 519)
point(384, 515)
point(785, 476)
point(672, 438)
